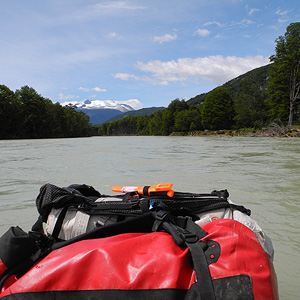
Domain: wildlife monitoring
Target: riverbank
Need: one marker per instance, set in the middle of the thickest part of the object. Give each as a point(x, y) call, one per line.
point(272, 131)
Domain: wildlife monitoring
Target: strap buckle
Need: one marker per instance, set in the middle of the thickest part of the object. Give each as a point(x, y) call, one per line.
point(160, 217)
point(188, 237)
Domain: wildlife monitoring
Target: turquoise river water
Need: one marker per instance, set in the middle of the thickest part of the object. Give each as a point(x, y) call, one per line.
point(262, 174)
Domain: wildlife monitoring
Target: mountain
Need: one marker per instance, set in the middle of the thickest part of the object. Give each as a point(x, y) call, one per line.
point(98, 115)
point(100, 111)
point(256, 79)
point(136, 113)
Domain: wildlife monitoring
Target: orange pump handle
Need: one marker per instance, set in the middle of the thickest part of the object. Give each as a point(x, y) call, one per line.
point(158, 187)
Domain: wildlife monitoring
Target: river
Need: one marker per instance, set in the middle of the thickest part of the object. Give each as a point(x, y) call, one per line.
point(262, 174)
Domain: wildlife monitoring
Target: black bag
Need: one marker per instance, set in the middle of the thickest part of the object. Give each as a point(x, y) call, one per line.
point(76, 209)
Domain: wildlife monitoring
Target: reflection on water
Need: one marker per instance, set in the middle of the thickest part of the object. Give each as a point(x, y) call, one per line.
point(260, 173)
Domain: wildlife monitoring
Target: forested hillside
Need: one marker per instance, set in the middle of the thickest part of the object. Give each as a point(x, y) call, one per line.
point(255, 79)
point(26, 114)
point(163, 122)
point(136, 113)
point(239, 103)
point(250, 95)
point(243, 102)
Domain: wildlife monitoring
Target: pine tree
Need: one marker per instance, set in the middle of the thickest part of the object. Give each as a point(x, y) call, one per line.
point(218, 110)
point(284, 88)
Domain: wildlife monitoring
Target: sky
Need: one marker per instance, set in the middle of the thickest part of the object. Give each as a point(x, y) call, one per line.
point(151, 50)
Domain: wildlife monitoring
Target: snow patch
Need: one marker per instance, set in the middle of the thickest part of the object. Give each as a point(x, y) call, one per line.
point(123, 106)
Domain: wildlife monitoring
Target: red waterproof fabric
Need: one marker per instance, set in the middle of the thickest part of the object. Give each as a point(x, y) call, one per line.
point(127, 261)
point(241, 253)
point(149, 261)
point(9, 281)
point(2, 267)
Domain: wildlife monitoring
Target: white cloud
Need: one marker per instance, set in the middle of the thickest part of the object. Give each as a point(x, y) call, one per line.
point(61, 96)
point(282, 15)
point(251, 11)
point(244, 23)
point(126, 76)
point(217, 69)
point(213, 23)
point(282, 20)
point(112, 35)
point(96, 89)
point(102, 9)
point(202, 32)
point(84, 89)
point(281, 12)
point(165, 38)
point(117, 5)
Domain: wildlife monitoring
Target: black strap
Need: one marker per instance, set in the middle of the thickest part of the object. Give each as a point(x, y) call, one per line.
point(145, 191)
point(241, 208)
point(203, 288)
point(59, 223)
point(190, 235)
point(191, 226)
point(204, 285)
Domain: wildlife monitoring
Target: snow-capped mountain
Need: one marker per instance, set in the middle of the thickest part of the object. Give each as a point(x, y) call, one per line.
point(122, 106)
point(100, 111)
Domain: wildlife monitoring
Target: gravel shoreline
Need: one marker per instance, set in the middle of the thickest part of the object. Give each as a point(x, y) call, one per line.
point(271, 131)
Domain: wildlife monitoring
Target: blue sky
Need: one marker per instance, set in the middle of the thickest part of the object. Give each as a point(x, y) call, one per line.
point(154, 51)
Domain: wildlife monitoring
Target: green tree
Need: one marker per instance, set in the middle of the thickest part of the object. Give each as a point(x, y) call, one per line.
point(218, 110)
point(103, 129)
point(154, 126)
point(8, 112)
point(33, 115)
point(75, 123)
point(26, 114)
point(188, 120)
point(284, 88)
point(251, 106)
point(142, 122)
point(168, 115)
